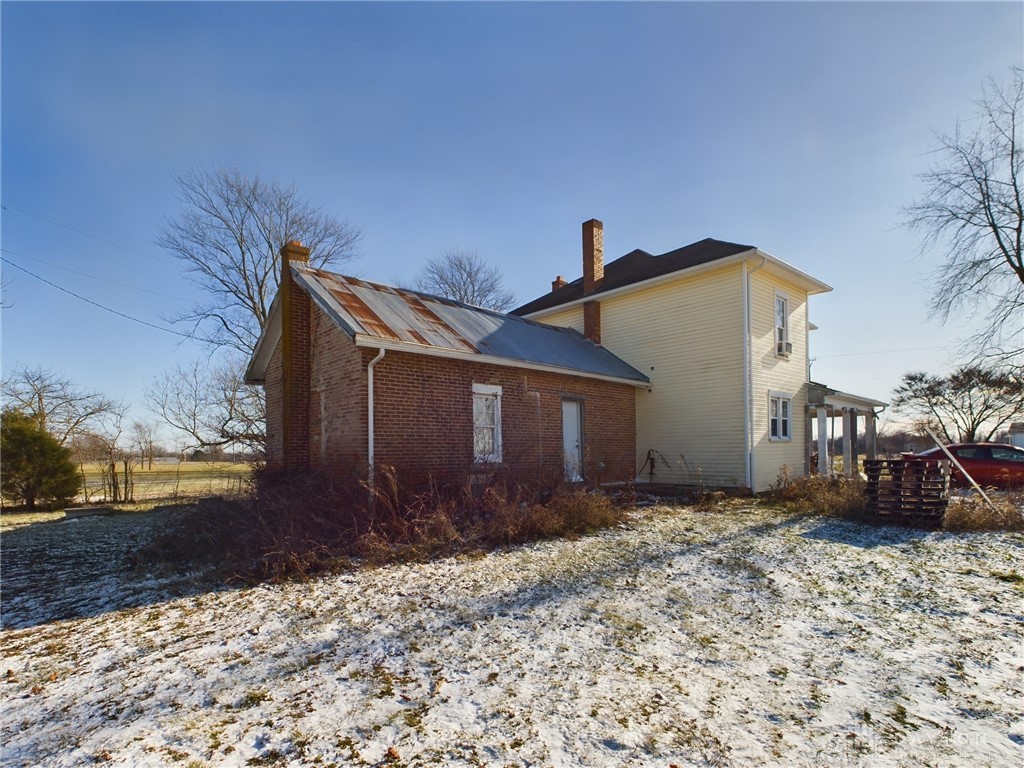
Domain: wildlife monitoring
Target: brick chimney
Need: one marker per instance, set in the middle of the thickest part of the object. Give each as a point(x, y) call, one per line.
point(593, 255)
point(557, 283)
point(295, 356)
point(593, 276)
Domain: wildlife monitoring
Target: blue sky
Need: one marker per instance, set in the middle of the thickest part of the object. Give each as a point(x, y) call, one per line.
point(795, 127)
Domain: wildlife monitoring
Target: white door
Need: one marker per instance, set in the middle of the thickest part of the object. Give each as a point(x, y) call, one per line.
point(572, 440)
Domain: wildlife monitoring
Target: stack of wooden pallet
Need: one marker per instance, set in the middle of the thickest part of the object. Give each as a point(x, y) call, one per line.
point(907, 492)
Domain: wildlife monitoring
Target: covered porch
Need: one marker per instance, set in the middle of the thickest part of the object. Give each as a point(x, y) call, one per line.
point(857, 415)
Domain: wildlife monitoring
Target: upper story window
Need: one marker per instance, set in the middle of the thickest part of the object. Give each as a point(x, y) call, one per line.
point(780, 407)
point(486, 423)
point(783, 346)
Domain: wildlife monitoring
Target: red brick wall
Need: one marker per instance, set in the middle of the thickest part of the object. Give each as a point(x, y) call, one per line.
point(296, 316)
point(337, 401)
point(273, 390)
point(424, 419)
point(424, 415)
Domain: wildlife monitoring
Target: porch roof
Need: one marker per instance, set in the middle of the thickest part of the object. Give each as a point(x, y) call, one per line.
point(834, 401)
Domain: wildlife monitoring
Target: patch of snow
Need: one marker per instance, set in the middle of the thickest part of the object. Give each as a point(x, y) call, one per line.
point(740, 638)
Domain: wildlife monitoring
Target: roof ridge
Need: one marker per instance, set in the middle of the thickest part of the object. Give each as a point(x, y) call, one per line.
point(638, 266)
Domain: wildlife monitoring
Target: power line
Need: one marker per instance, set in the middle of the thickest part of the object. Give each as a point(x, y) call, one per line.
point(89, 275)
point(882, 352)
point(101, 306)
point(7, 207)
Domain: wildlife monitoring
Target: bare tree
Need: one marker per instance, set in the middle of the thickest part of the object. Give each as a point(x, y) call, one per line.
point(211, 405)
point(89, 448)
point(144, 436)
point(972, 403)
point(57, 405)
point(465, 276)
point(117, 467)
point(228, 237)
point(973, 210)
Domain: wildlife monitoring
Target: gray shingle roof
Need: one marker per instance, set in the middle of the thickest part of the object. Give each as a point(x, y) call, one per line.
point(637, 266)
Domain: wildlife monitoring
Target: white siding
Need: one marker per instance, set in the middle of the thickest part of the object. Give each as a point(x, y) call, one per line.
point(686, 335)
point(772, 373)
point(564, 318)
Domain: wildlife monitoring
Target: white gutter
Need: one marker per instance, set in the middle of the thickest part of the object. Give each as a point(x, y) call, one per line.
point(748, 374)
point(375, 342)
point(369, 416)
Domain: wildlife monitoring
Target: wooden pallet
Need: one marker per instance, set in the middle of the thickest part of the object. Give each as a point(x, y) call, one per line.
point(902, 492)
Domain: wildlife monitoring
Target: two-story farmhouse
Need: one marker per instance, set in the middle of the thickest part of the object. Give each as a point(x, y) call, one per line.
point(721, 330)
point(686, 368)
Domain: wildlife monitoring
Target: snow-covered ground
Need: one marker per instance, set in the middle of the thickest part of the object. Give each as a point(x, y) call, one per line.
point(741, 638)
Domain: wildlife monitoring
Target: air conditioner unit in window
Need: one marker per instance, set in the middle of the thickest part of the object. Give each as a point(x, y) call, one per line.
point(784, 348)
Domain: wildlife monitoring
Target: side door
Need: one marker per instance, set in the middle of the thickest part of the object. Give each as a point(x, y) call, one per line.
point(572, 439)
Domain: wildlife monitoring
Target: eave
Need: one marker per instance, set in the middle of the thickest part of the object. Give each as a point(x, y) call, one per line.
point(786, 271)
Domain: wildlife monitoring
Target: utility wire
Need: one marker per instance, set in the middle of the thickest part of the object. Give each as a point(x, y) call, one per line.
point(6, 207)
point(101, 306)
point(9, 252)
point(882, 352)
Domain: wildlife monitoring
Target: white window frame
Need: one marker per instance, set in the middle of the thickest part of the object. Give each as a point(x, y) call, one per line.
point(781, 336)
point(482, 393)
point(780, 416)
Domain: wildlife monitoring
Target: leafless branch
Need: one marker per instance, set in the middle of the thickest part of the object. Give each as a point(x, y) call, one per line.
point(228, 237)
point(56, 404)
point(973, 211)
point(464, 276)
point(972, 403)
point(210, 404)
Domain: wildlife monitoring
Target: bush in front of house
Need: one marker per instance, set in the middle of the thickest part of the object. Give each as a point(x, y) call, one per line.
point(447, 519)
point(299, 526)
point(836, 496)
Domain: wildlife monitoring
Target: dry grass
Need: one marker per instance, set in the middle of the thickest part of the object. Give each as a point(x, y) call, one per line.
point(835, 496)
point(299, 527)
point(844, 497)
point(190, 479)
point(972, 513)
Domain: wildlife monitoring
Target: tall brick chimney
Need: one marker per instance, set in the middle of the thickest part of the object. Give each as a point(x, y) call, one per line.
point(593, 275)
point(295, 355)
point(593, 255)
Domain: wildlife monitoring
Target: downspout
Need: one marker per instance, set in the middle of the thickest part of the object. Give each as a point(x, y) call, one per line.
point(748, 375)
point(369, 417)
point(874, 426)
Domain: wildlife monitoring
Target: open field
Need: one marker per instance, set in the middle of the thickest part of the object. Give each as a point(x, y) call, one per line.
point(188, 479)
point(739, 638)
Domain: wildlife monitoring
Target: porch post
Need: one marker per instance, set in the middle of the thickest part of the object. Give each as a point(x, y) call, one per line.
point(854, 427)
point(824, 460)
point(808, 440)
point(872, 448)
point(848, 432)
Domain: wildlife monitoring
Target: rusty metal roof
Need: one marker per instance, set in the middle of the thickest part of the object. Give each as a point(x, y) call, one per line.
point(396, 315)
